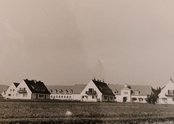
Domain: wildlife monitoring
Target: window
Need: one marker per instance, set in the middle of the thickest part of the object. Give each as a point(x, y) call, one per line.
point(134, 99)
point(116, 91)
point(170, 92)
point(93, 97)
point(125, 92)
point(137, 92)
point(173, 99)
point(25, 95)
point(91, 89)
point(140, 99)
point(9, 94)
point(105, 97)
point(41, 95)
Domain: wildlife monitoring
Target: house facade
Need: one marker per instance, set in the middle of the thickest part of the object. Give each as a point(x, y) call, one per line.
point(97, 91)
point(67, 93)
point(94, 91)
point(133, 93)
point(27, 89)
point(166, 95)
point(10, 93)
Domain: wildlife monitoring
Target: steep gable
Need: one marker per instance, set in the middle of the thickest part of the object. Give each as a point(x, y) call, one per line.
point(168, 86)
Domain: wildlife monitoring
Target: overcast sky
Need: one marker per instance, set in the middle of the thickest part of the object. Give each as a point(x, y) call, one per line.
point(72, 41)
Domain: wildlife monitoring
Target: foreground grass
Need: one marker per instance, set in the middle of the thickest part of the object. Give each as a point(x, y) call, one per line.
point(83, 111)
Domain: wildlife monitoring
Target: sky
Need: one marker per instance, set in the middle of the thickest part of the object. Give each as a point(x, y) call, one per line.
point(72, 41)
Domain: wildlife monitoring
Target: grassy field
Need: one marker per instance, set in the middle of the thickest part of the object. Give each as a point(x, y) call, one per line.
point(20, 111)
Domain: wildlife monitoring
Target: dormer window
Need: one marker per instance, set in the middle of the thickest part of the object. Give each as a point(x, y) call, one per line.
point(137, 92)
point(125, 92)
point(116, 91)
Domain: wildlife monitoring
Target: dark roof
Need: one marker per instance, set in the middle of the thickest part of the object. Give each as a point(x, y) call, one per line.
point(36, 86)
point(76, 89)
point(103, 87)
point(16, 84)
point(144, 90)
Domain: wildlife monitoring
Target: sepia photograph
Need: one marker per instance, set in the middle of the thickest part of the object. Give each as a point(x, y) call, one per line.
point(86, 62)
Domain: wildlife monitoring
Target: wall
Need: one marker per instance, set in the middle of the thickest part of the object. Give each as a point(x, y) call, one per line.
point(11, 92)
point(89, 98)
point(118, 98)
point(140, 99)
point(126, 93)
point(23, 95)
point(163, 99)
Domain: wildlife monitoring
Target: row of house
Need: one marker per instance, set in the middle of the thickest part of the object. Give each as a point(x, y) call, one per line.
point(94, 91)
point(27, 89)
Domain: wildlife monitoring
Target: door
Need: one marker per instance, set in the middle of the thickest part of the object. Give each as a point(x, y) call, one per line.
point(124, 99)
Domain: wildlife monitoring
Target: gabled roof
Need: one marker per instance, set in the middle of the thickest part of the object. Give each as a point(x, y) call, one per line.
point(74, 89)
point(103, 87)
point(144, 90)
point(116, 87)
point(16, 84)
point(171, 80)
point(36, 86)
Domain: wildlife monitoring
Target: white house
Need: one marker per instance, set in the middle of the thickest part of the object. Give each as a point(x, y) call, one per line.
point(27, 89)
point(97, 90)
point(10, 93)
point(167, 93)
point(133, 93)
point(69, 93)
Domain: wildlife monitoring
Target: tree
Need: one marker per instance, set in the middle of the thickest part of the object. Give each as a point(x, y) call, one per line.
point(153, 97)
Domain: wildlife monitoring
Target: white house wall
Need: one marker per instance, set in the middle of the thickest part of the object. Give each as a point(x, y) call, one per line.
point(62, 96)
point(11, 92)
point(118, 98)
point(89, 97)
point(140, 99)
point(127, 94)
point(21, 95)
point(163, 99)
point(77, 97)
